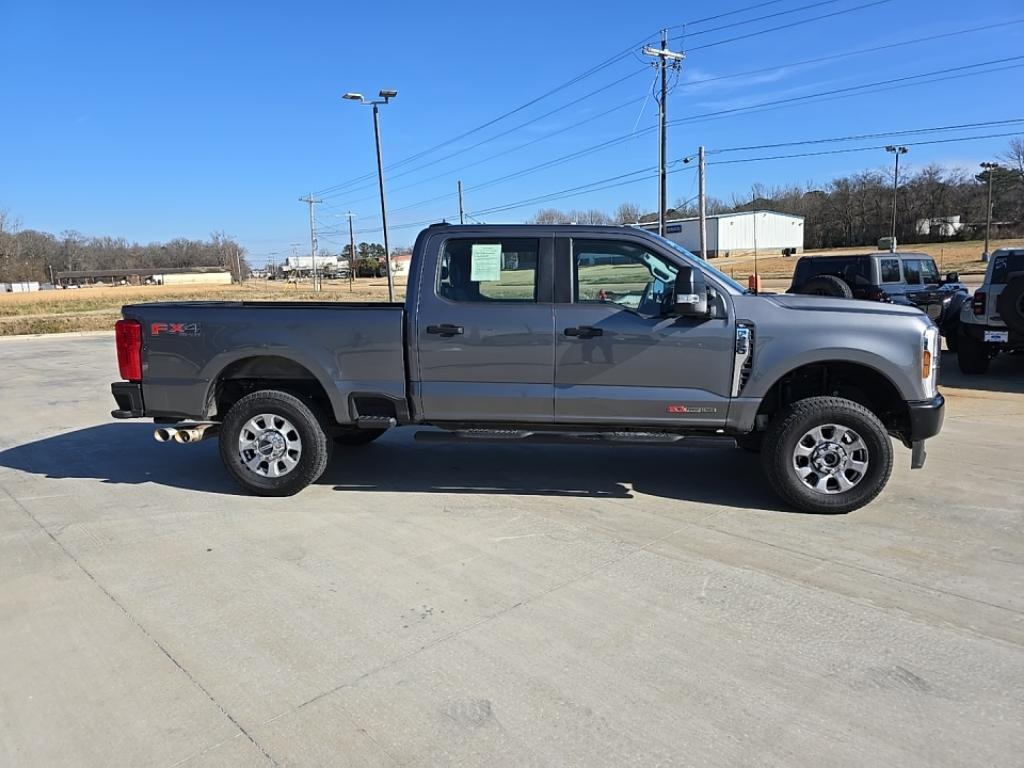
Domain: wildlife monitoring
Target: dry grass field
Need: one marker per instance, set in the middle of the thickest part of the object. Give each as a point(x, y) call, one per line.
point(962, 257)
point(93, 309)
point(90, 309)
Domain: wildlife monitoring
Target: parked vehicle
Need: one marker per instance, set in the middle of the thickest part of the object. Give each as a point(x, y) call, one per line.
point(910, 279)
point(541, 333)
point(993, 320)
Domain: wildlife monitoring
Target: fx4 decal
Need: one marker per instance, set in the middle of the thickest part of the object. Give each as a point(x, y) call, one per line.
point(174, 329)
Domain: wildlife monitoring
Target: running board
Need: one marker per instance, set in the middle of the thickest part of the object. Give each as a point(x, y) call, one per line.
point(375, 422)
point(567, 438)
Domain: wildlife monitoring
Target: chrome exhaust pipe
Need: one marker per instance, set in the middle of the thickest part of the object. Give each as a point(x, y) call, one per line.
point(195, 433)
point(164, 434)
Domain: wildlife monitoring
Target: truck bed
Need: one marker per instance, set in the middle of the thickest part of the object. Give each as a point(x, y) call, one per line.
point(350, 347)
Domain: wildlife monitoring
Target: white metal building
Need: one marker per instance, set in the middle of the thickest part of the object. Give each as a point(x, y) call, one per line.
point(766, 231)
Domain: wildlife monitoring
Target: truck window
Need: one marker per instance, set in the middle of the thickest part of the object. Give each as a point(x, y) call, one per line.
point(1005, 264)
point(890, 270)
point(486, 270)
point(920, 270)
point(623, 273)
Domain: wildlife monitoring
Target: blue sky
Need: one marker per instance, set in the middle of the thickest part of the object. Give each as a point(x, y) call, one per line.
point(151, 121)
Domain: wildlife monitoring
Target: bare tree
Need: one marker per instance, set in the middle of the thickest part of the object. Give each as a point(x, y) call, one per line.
point(627, 213)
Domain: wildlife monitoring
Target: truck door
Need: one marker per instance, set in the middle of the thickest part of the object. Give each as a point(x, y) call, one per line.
point(620, 356)
point(484, 332)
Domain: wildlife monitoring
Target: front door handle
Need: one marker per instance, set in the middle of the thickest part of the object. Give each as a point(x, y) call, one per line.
point(584, 332)
point(446, 329)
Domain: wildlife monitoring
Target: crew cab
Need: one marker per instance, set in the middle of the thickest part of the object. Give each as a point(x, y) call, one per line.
point(540, 333)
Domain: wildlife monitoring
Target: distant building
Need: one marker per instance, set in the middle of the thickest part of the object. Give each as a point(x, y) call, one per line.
point(940, 226)
point(146, 275)
point(735, 232)
point(18, 287)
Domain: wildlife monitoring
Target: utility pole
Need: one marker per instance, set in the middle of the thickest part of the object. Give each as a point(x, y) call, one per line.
point(702, 205)
point(990, 169)
point(895, 186)
point(238, 263)
point(312, 201)
point(351, 251)
point(664, 56)
point(462, 210)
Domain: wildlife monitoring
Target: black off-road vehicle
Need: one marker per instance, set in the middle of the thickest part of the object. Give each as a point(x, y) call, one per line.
point(911, 279)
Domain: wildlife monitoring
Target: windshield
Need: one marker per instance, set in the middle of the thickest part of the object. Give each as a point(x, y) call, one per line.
point(707, 267)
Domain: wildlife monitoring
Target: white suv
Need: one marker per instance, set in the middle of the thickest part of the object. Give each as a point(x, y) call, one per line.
point(993, 320)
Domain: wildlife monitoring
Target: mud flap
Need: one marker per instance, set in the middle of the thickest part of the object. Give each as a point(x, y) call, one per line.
point(917, 454)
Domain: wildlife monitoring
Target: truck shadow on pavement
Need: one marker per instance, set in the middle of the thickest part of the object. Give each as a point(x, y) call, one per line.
point(122, 453)
point(127, 454)
point(719, 475)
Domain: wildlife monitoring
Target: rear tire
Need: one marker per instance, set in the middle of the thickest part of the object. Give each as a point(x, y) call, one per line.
point(972, 356)
point(827, 455)
point(273, 443)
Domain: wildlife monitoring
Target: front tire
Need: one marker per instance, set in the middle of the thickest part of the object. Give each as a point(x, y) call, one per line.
point(273, 443)
point(827, 455)
point(972, 356)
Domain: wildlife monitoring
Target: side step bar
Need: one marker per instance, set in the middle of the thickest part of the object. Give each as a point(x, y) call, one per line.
point(376, 422)
point(568, 438)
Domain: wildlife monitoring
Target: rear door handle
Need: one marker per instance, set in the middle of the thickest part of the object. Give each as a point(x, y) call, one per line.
point(446, 329)
point(584, 332)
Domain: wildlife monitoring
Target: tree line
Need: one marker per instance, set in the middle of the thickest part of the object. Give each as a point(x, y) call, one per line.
point(28, 255)
point(856, 210)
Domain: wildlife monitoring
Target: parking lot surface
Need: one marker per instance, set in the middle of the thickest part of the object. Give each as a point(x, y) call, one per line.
point(498, 605)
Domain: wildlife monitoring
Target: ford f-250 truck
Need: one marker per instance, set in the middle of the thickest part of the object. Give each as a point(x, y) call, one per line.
point(544, 333)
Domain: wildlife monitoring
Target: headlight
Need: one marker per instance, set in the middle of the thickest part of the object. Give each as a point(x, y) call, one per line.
point(930, 360)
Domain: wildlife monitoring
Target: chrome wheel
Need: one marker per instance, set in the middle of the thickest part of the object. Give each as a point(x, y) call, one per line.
point(269, 445)
point(830, 458)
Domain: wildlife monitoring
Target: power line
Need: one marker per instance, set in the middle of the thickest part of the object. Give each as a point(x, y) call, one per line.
point(753, 20)
point(692, 83)
point(841, 92)
point(572, 81)
point(645, 174)
point(787, 26)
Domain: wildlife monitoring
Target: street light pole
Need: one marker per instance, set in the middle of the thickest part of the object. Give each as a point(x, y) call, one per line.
point(385, 97)
point(990, 168)
point(895, 186)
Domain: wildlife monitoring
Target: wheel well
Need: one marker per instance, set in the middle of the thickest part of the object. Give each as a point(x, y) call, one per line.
point(265, 372)
point(852, 381)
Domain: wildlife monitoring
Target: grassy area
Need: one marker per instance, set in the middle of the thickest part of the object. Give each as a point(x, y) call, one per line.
point(962, 257)
point(88, 309)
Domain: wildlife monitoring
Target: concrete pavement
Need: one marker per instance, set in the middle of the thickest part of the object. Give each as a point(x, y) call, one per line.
point(497, 605)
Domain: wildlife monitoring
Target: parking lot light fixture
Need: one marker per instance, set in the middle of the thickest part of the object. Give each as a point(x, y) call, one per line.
point(385, 97)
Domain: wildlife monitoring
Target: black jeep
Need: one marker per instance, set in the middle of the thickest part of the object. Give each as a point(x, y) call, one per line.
point(897, 278)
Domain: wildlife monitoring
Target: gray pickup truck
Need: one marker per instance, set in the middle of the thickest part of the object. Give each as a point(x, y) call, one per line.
point(541, 334)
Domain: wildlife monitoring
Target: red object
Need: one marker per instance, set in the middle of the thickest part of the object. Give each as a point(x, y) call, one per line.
point(128, 336)
point(678, 409)
point(602, 296)
point(754, 283)
point(978, 303)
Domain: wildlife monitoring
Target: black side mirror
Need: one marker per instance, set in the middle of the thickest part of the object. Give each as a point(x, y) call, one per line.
point(952, 277)
point(691, 299)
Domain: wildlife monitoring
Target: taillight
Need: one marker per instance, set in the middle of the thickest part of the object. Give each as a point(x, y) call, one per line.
point(128, 336)
point(978, 303)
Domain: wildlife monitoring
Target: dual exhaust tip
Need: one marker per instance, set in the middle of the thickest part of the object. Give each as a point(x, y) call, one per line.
point(185, 433)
